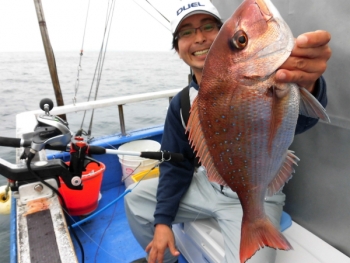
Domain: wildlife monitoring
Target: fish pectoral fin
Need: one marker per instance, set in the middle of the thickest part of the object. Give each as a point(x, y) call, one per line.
point(284, 174)
point(311, 107)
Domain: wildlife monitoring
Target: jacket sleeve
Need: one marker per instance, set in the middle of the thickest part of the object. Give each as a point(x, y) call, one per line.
point(175, 177)
point(304, 123)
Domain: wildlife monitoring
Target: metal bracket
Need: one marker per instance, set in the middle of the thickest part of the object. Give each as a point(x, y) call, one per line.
point(36, 190)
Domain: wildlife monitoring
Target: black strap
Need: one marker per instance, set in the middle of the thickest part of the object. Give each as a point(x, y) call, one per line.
point(185, 104)
point(222, 189)
point(185, 110)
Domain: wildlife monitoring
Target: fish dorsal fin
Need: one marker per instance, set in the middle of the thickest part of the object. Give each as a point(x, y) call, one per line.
point(197, 141)
point(284, 174)
point(309, 106)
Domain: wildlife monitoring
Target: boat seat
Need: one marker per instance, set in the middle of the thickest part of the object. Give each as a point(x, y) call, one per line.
point(201, 241)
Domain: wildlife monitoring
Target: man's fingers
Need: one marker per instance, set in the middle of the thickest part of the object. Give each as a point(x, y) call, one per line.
point(160, 257)
point(295, 76)
point(301, 78)
point(305, 64)
point(173, 249)
point(154, 255)
point(313, 39)
point(312, 52)
point(148, 248)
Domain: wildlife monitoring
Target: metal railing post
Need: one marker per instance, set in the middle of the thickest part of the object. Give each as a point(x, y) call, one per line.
point(121, 119)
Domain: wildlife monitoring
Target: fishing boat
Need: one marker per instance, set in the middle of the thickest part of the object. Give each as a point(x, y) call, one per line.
point(315, 218)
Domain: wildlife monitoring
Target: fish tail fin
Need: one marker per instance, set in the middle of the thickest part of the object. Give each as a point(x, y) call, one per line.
point(309, 106)
point(258, 234)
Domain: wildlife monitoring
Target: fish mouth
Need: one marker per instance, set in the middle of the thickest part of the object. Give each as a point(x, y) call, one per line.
point(201, 52)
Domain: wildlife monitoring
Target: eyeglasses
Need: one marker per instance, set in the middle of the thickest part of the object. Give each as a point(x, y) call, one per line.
point(190, 32)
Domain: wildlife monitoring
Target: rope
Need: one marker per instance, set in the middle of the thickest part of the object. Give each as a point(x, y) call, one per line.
point(158, 11)
point(100, 61)
point(76, 87)
point(152, 15)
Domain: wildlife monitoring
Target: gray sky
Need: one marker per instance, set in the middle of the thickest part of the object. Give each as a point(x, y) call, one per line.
point(132, 29)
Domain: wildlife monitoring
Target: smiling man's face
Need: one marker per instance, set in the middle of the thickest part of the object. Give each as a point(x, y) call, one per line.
point(193, 50)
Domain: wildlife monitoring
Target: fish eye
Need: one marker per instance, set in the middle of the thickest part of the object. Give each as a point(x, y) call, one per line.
point(240, 39)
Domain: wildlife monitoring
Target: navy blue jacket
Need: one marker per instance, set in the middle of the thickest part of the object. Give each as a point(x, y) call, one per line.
point(175, 178)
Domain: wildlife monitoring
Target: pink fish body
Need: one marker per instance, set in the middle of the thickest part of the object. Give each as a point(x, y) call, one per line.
point(242, 122)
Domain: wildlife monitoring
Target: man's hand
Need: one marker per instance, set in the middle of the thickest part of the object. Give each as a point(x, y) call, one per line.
point(163, 239)
point(308, 60)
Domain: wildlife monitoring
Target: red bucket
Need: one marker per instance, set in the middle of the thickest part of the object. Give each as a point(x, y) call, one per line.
point(82, 202)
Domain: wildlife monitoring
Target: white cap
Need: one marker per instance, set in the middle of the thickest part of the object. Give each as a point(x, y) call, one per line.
point(187, 8)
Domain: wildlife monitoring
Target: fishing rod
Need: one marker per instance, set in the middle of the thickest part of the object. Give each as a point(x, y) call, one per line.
point(93, 149)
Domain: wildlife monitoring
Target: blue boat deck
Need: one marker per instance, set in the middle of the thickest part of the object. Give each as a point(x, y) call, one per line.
point(107, 237)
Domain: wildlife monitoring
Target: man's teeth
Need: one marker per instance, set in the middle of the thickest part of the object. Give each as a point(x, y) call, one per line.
point(201, 52)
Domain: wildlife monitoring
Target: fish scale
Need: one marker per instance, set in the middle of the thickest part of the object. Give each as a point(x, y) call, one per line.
point(242, 122)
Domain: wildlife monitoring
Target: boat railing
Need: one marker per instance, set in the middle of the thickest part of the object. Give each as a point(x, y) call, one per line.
point(26, 121)
point(25, 118)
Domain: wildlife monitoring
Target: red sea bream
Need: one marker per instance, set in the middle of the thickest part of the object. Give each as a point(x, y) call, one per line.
point(242, 122)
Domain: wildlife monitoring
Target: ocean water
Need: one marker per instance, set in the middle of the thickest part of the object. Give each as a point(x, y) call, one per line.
point(25, 80)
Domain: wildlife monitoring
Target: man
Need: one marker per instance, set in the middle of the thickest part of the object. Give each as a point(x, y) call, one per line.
point(183, 192)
